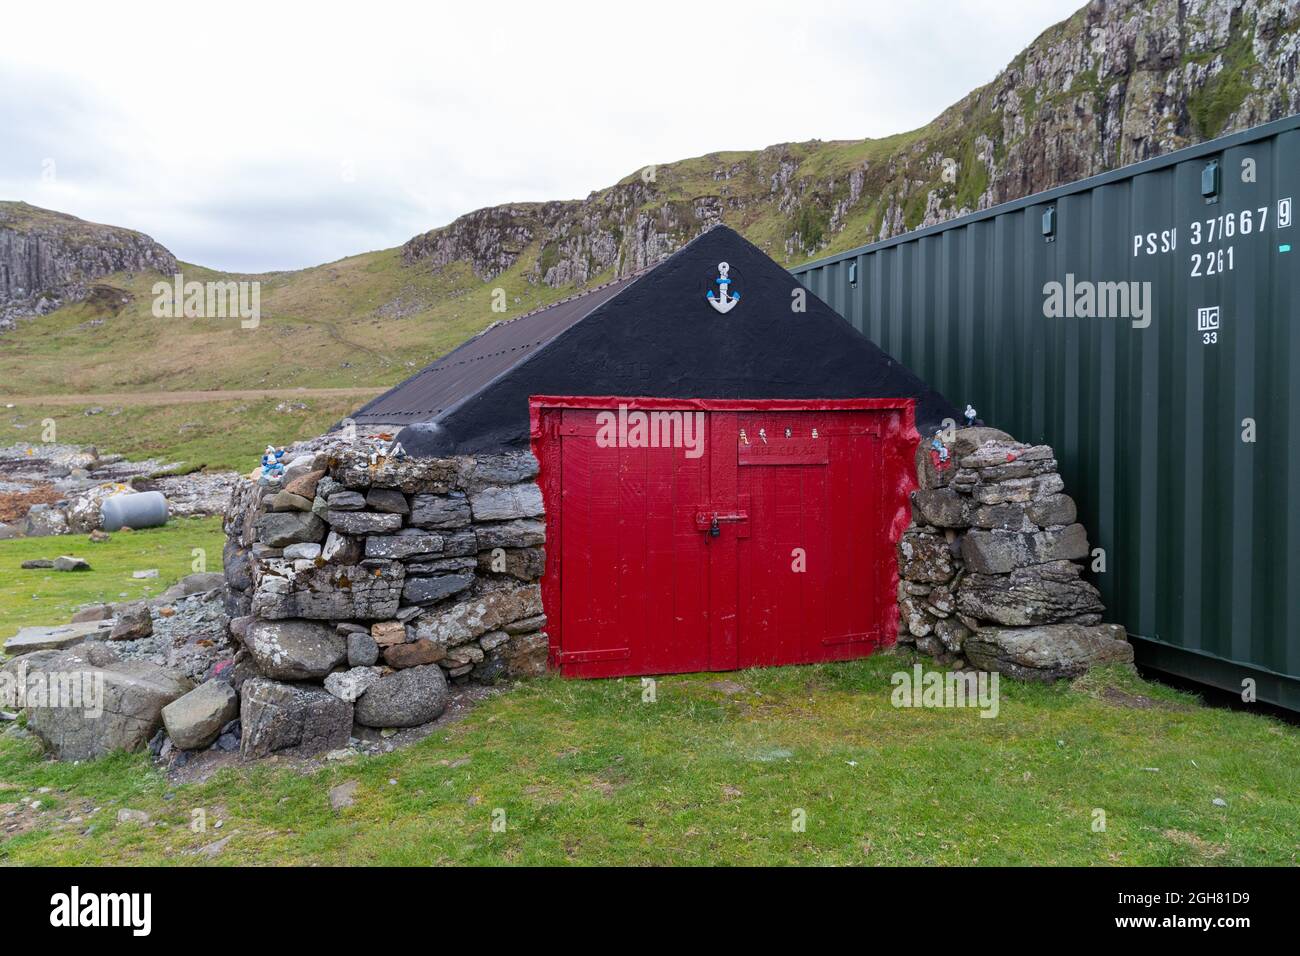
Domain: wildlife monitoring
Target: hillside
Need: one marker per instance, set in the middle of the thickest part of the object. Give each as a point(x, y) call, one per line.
point(1118, 82)
point(49, 259)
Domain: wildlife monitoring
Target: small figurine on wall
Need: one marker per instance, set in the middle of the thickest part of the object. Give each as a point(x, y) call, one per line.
point(272, 464)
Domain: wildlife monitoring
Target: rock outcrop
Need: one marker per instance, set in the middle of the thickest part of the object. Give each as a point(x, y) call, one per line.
point(48, 259)
point(1119, 82)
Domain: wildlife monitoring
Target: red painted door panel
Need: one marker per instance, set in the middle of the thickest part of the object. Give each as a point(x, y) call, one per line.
point(813, 581)
point(773, 545)
point(634, 581)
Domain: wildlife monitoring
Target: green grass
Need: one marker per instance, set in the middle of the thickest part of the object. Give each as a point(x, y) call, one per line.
point(585, 772)
point(51, 597)
point(218, 435)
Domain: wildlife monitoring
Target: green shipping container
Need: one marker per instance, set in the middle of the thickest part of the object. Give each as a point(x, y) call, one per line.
point(1145, 323)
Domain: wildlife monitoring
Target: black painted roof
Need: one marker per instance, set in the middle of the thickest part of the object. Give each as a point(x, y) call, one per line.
point(472, 365)
point(649, 335)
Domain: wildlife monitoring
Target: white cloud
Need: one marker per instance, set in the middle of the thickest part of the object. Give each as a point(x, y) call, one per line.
point(263, 136)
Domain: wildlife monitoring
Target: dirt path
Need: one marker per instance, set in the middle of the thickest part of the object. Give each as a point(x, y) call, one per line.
point(182, 398)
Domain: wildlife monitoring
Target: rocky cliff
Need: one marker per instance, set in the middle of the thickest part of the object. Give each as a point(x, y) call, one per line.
point(49, 258)
point(1119, 82)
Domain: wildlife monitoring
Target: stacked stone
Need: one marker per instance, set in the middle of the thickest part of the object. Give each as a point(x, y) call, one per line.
point(989, 568)
point(359, 586)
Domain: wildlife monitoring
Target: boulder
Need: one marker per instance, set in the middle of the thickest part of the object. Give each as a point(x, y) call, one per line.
point(8, 532)
point(386, 633)
point(526, 625)
point(388, 500)
point(119, 706)
point(45, 520)
point(350, 684)
point(486, 612)
point(131, 622)
point(31, 639)
point(298, 718)
point(1042, 594)
point(967, 440)
point(461, 655)
point(302, 552)
point(1052, 511)
point(427, 568)
point(521, 533)
point(288, 501)
point(952, 634)
point(917, 618)
point(404, 545)
point(93, 612)
point(411, 475)
point(525, 564)
point(414, 654)
point(440, 511)
point(294, 649)
point(525, 655)
point(37, 564)
point(303, 465)
point(430, 590)
point(362, 522)
point(346, 501)
point(1000, 552)
point(1049, 652)
point(942, 507)
point(235, 566)
point(280, 529)
point(305, 485)
point(194, 721)
point(924, 557)
point(1018, 489)
point(407, 698)
point(333, 593)
point(199, 583)
point(363, 650)
point(341, 549)
point(462, 543)
point(507, 503)
point(506, 469)
point(67, 562)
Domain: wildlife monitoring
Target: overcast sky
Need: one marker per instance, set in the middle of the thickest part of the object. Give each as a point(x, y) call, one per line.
point(262, 136)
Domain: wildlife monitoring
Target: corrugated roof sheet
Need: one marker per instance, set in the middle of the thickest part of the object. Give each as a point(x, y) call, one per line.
point(469, 367)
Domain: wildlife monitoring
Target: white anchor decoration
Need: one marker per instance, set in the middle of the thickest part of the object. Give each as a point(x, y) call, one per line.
point(724, 302)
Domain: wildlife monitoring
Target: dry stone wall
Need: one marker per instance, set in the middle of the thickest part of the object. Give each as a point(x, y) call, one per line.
point(359, 586)
point(989, 568)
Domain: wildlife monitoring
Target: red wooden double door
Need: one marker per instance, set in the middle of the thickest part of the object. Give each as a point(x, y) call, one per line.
point(710, 536)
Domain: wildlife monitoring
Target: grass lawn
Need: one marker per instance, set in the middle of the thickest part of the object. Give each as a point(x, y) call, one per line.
point(586, 772)
point(219, 435)
point(51, 597)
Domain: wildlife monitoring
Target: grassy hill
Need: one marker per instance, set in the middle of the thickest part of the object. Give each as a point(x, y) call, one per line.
point(1116, 83)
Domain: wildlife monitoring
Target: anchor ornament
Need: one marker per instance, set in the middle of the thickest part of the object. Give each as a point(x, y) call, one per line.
point(724, 302)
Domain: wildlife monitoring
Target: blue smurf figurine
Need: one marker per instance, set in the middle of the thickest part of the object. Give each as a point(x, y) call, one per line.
point(936, 443)
point(272, 466)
